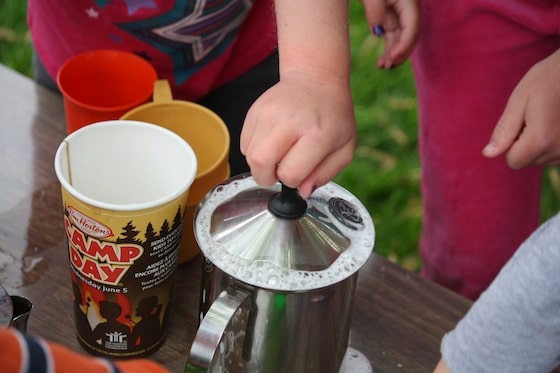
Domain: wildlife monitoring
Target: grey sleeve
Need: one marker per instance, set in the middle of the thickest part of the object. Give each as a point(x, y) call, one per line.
point(515, 324)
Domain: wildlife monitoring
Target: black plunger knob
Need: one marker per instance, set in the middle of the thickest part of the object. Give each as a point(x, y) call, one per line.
point(287, 204)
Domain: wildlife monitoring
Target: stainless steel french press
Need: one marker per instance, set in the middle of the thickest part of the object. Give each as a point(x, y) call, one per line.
point(279, 279)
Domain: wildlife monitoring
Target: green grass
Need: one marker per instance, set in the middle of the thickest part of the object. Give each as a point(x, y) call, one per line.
point(385, 172)
point(15, 50)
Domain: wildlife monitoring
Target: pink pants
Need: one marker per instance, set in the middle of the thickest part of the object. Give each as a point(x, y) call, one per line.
point(477, 211)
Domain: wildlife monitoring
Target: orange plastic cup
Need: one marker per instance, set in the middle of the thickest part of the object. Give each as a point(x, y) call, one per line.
point(209, 137)
point(102, 85)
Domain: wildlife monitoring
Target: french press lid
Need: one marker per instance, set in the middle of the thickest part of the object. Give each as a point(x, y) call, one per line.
point(273, 238)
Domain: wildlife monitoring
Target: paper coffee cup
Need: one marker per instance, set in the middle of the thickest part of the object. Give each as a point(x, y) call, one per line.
point(124, 191)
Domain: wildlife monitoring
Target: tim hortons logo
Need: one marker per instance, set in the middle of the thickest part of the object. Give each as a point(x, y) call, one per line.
point(89, 226)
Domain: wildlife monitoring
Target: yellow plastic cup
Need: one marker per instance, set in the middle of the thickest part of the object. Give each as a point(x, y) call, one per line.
point(206, 133)
point(124, 189)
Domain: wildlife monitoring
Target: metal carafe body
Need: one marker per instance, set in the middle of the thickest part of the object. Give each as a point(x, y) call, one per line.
point(255, 320)
point(273, 331)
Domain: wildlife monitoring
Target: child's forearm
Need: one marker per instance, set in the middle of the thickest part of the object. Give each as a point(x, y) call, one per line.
point(313, 36)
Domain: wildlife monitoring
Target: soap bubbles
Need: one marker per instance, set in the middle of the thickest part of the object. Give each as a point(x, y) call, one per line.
point(266, 274)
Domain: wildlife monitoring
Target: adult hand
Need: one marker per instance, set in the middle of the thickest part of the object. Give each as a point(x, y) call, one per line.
point(528, 132)
point(400, 22)
point(301, 131)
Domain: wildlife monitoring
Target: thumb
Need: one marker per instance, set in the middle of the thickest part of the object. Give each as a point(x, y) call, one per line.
point(507, 130)
point(375, 15)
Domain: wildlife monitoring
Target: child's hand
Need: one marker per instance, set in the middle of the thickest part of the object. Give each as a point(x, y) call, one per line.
point(301, 131)
point(528, 131)
point(398, 21)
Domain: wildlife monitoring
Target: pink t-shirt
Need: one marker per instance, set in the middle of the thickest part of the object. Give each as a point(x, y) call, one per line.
point(196, 45)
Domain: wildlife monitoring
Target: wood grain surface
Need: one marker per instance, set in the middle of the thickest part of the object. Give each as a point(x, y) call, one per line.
point(398, 318)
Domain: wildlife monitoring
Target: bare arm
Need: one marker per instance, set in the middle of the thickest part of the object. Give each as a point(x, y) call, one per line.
point(302, 130)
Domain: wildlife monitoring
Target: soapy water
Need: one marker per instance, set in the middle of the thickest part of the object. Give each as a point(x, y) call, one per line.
point(355, 362)
point(265, 274)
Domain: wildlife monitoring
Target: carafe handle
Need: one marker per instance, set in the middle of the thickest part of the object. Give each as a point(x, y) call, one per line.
point(227, 318)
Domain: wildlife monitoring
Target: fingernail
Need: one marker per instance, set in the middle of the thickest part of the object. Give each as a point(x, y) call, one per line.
point(378, 30)
point(313, 189)
point(307, 195)
point(490, 148)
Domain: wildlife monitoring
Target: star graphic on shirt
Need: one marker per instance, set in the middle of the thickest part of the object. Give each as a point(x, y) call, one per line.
point(92, 13)
point(134, 5)
point(193, 33)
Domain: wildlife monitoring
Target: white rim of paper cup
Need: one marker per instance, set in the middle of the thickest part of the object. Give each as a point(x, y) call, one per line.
point(128, 206)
